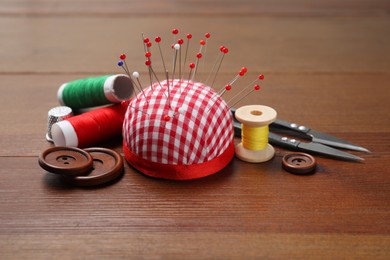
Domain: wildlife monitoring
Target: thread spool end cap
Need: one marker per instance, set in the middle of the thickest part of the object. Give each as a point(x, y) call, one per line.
point(255, 156)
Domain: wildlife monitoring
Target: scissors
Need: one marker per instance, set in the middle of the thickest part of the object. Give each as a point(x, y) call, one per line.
point(319, 142)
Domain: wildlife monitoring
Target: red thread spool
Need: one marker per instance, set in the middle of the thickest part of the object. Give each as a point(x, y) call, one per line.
point(90, 128)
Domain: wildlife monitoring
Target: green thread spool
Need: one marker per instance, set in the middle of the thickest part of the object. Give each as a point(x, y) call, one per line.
point(95, 91)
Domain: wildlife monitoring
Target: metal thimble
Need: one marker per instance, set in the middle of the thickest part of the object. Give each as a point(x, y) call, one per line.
point(55, 115)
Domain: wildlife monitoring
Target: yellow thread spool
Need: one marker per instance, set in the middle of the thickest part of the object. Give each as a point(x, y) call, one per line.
point(254, 146)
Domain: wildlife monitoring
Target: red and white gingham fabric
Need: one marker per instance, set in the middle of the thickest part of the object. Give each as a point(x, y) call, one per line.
point(189, 124)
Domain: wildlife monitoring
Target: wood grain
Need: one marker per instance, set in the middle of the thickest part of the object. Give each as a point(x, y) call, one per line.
point(283, 45)
point(195, 7)
point(327, 65)
point(341, 198)
point(195, 245)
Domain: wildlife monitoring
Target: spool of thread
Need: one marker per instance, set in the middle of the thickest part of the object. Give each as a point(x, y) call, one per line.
point(55, 115)
point(95, 91)
point(254, 146)
point(90, 128)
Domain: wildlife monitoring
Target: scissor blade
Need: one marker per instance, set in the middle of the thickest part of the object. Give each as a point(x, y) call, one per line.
point(334, 141)
point(329, 151)
point(293, 144)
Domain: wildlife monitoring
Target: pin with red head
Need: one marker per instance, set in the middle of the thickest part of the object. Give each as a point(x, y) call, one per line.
point(256, 87)
point(217, 64)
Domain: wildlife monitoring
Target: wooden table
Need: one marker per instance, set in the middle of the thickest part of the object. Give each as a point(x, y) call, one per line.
point(327, 65)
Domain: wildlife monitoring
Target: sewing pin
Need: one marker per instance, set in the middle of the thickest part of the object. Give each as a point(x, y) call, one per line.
point(198, 56)
point(176, 47)
point(192, 66)
point(136, 76)
point(260, 77)
point(158, 40)
point(207, 36)
point(122, 62)
point(169, 96)
point(240, 74)
point(255, 88)
point(180, 42)
point(174, 32)
point(139, 110)
point(221, 55)
point(148, 63)
point(189, 36)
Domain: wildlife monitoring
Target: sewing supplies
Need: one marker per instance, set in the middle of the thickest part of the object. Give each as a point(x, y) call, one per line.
point(175, 128)
point(299, 163)
point(254, 146)
point(89, 167)
point(91, 127)
point(178, 128)
point(318, 137)
point(107, 166)
point(55, 115)
point(65, 160)
point(95, 91)
point(318, 144)
point(189, 137)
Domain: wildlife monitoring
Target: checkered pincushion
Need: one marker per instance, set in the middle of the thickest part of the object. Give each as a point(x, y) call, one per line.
point(188, 125)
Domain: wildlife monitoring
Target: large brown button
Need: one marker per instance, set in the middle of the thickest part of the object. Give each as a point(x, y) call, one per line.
point(107, 165)
point(299, 163)
point(66, 160)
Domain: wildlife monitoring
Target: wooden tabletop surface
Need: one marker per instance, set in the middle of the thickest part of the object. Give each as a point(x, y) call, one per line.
point(327, 65)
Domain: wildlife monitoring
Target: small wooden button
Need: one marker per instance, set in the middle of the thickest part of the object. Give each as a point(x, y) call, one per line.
point(107, 165)
point(299, 163)
point(66, 160)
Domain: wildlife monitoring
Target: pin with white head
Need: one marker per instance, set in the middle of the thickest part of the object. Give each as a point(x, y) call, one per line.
point(176, 47)
point(138, 84)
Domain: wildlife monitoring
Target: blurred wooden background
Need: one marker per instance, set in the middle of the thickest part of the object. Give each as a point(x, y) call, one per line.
point(327, 65)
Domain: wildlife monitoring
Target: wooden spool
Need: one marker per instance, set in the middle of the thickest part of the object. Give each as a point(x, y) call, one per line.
point(255, 116)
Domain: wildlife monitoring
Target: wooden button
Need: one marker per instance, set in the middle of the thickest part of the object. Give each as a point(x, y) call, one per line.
point(299, 163)
point(107, 166)
point(66, 160)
